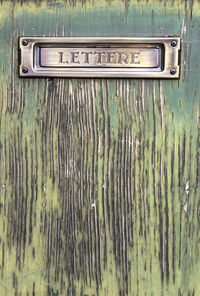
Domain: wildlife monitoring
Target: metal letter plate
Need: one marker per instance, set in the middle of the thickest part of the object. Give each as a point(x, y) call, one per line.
point(99, 57)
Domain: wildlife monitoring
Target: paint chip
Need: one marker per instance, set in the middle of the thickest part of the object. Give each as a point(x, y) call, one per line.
point(185, 207)
point(44, 204)
point(187, 187)
point(44, 187)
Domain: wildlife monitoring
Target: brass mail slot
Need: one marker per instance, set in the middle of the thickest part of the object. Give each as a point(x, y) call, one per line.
point(99, 57)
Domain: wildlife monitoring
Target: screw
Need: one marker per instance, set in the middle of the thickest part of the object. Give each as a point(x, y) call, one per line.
point(25, 70)
point(24, 42)
point(173, 71)
point(173, 43)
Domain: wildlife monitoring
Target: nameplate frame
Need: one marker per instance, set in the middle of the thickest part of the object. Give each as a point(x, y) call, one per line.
point(99, 57)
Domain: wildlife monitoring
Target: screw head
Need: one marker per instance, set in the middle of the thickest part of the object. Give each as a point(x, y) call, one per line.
point(173, 71)
point(173, 43)
point(24, 42)
point(25, 70)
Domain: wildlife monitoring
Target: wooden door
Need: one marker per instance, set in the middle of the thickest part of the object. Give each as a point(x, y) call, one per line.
point(99, 178)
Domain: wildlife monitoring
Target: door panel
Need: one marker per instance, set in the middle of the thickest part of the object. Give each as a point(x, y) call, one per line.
point(99, 177)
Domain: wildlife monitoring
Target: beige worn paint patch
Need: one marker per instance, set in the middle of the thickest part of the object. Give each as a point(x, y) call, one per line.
point(29, 6)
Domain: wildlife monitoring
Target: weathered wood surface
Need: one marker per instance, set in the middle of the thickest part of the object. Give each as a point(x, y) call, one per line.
point(99, 178)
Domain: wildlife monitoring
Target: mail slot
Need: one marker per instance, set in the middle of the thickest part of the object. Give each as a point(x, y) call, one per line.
point(100, 57)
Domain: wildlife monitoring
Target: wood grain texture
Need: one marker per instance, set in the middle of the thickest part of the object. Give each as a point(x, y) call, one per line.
point(99, 178)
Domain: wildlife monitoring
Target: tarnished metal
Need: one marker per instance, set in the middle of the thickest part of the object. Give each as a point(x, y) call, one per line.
point(99, 57)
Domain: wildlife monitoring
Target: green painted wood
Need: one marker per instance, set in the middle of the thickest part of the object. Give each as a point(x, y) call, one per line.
point(99, 178)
